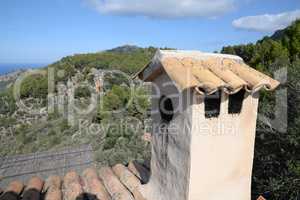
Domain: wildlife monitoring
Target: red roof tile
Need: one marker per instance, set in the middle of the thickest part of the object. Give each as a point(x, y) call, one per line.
point(118, 183)
point(206, 72)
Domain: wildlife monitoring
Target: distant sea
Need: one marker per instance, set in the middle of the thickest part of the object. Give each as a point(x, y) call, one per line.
point(11, 67)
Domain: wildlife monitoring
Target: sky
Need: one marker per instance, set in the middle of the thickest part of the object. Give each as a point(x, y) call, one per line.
point(35, 31)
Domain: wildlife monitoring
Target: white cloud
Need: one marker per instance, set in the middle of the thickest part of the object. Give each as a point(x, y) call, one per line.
point(164, 8)
point(267, 22)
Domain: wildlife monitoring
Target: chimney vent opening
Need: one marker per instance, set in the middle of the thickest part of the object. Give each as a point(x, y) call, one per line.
point(166, 109)
point(236, 102)
point(212, 105)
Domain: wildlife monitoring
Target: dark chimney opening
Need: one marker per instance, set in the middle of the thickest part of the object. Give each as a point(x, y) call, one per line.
point(166, 109)
point(212, 105)
point(236, 102)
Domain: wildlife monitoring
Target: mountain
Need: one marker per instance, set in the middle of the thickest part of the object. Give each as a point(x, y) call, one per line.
point(128, 59)
point(291, 31)
point(278, 35)
point(125, 49)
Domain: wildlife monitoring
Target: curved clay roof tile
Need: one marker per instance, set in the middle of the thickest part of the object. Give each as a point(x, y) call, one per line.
point(13, 191)
point(129, 180)
point(52, 188)
point(118, 184)
point(93, 185)
point(255, 79)
point(207, 73)
point(181, 75)
point(35, 183)
point(207, 80)
point(71, 187)
point(15, 186)
point(33, 189)
point(233, 82)
point(113, 185)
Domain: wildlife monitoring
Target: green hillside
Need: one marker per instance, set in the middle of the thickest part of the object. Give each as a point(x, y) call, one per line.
point(54, 132)
point(277, 161)
point(126, 61)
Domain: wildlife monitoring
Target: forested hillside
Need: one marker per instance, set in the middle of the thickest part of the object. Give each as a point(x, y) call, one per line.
point(26, 133)
point(277, 154)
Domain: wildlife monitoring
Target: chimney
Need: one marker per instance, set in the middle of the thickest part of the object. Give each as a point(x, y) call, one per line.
point(204, 112)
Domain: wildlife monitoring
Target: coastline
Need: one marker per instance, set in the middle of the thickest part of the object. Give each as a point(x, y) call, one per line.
point(6, 68)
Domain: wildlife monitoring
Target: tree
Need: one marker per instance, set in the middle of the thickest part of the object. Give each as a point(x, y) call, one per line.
point(7, 102)
point(35, 86)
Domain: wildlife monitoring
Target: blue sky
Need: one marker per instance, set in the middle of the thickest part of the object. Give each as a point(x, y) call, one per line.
point(35, 31)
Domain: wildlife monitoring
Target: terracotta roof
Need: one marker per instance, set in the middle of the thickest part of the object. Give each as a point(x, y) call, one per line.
point(206, 72)
point(118, 183)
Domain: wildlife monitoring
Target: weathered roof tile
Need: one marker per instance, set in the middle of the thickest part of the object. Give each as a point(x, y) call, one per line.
point(52, 188)
point(33, 189)
point(207, 72)
point(93, 185)
point(113, 185)
point(129, 180)
point(140, 171)
point(15, 186)
point(71, 187)
point(121, 185)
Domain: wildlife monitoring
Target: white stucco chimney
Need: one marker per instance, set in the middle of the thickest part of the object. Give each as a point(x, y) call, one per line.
point(204, 111)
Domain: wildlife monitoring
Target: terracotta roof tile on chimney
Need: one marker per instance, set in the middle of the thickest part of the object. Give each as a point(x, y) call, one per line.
point(93, 185)
point(129, 180)
point(33, 189)
point(113, 185)
point(206, 72)
point(52, 188)
point(72, 187)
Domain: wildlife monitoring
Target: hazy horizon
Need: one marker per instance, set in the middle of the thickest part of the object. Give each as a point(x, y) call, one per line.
point(11, 67)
